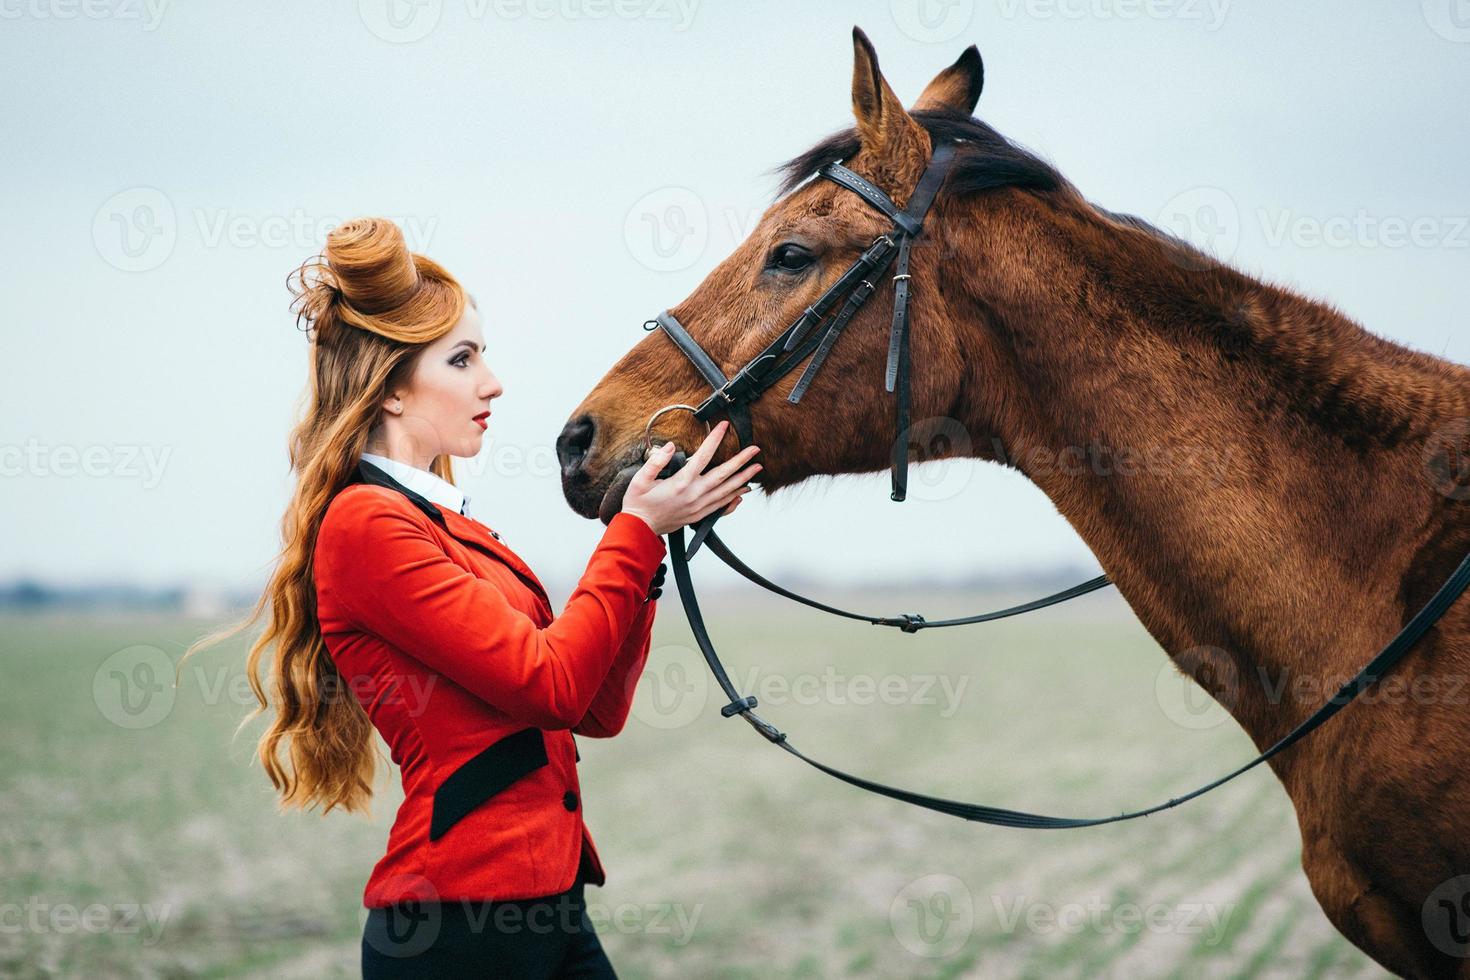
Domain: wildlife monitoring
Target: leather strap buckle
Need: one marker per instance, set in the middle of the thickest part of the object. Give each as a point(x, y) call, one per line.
point(908, 622)
point(735, 707)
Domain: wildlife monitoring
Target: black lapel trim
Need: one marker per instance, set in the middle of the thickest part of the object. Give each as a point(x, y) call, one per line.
point(368, 473)
point(488, 773)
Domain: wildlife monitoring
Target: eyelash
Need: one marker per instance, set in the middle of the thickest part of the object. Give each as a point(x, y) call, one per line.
point(460, 360)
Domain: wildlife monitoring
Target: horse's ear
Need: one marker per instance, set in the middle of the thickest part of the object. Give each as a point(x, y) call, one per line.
point(891, 140)
point(957, 88)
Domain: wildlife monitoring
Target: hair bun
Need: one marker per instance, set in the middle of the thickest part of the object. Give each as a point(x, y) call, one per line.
point(368, 279)
point(372, 264)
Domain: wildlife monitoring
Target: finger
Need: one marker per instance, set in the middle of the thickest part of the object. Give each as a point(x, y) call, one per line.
point(657, 460)
point(720, 472)
point(706, 450)
point(733, 484)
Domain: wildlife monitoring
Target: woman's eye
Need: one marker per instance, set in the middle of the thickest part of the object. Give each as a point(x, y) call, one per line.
point(791, 258)
point(461, 360)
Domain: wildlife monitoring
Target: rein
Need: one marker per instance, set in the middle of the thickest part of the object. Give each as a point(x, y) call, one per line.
point(803, 339)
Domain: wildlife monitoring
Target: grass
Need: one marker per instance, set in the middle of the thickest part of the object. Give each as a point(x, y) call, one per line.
point(726, 857)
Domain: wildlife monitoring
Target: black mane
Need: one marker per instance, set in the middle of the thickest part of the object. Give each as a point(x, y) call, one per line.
point(987, 160)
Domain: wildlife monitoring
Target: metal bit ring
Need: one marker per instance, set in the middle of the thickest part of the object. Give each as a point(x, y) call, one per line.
point(648, 429)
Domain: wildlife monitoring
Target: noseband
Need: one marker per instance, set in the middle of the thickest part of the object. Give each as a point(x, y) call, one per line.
point(802, 339)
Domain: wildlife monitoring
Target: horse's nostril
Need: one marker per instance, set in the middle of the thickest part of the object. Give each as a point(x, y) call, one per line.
point(572, 444)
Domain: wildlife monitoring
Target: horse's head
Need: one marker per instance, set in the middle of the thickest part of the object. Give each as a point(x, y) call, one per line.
point(845, 421)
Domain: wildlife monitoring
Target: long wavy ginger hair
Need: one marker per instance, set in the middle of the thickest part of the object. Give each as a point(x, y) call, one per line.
point(370, 306)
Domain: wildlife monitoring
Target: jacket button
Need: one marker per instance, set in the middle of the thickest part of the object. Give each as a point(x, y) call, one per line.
point(569, 800)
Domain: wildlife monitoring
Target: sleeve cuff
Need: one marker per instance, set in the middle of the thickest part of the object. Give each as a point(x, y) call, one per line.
point(635, 531)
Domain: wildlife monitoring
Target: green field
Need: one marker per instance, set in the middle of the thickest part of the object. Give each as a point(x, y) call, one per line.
point(144, 842)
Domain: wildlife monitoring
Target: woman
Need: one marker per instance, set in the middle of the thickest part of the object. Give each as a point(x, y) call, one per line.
point(392, 608)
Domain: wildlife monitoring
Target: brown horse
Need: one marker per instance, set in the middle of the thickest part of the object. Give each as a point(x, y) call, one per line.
point(1283, 489)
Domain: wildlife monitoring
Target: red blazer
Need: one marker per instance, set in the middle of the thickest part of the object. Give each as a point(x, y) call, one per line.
point(447, 640)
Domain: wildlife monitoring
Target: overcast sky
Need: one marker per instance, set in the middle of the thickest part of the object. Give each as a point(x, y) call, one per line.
point(581, 164)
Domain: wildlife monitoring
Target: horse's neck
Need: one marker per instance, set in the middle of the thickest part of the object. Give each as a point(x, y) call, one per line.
point(1245, 463)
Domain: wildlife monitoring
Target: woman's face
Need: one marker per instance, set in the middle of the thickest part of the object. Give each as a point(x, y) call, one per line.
point(445, 408)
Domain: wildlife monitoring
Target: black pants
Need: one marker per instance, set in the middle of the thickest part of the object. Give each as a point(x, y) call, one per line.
point(532, 938)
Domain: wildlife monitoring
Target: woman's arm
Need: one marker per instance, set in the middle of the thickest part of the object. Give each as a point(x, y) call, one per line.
point(609, 709)
point(382, 564)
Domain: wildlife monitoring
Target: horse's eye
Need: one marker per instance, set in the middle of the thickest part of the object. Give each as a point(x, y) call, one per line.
point(790, 258)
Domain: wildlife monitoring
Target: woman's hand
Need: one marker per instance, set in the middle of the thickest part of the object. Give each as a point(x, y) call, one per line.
point(682, 499)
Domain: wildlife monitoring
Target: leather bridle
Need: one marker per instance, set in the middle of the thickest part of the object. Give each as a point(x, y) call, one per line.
point(802, 339)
